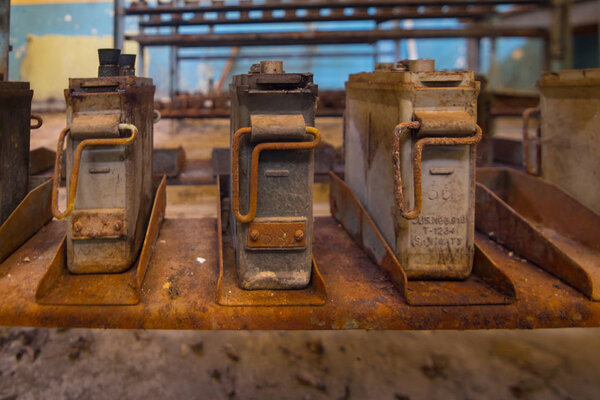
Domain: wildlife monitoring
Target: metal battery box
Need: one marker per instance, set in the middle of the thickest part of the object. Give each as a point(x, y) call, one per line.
point(272, 176)
point(15, 114)
point(570, 132)
point(428, 119)
point(109, 160)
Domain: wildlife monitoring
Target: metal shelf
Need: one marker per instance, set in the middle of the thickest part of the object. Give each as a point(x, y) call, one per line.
point(179, 291)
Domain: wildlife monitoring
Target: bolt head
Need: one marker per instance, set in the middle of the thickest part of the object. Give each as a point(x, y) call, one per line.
point(299, 235)
point(254, 234)
point(77, 227)
point(117, 226)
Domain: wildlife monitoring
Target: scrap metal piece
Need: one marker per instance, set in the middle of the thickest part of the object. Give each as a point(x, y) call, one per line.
point(29, 216)
point(59, 286)
point(540, 221)
point(487, 285)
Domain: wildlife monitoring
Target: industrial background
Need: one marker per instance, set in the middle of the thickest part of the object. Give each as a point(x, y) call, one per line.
point(373, 345)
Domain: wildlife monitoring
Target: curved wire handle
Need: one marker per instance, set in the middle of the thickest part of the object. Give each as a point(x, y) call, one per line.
point(235, 167)
point(77, 163)
point(527, 114)
point(38, 121)
point(417, 157)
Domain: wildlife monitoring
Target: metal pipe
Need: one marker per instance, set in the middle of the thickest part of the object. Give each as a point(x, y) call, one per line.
point(329, 37)
point(138, 8)
point(527, 114)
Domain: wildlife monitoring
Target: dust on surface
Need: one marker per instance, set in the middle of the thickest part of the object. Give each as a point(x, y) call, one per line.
point(105, 364)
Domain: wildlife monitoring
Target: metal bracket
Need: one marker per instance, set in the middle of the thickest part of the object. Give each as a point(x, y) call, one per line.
point(417, 156)
point(77, 163)
point(527, 114)
point(235, 167)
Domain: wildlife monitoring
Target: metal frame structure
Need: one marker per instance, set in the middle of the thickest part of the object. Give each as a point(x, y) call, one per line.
point(482, 19)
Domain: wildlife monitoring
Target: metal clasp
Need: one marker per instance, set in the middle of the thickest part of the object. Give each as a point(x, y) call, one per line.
point(417, 156)
point(76, 164)
point(527, 114)
point(235, 167)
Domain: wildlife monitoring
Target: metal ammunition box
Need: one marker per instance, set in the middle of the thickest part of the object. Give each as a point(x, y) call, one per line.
point(273, 247)
point(114, 189)
point(570, 132)
point(15, 113)
point(437, 242)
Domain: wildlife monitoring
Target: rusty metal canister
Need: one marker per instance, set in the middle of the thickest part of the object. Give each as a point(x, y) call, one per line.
point(570, 132)
point(272, 142)
point(410, 139)
point(109, 167)
point(15, 113)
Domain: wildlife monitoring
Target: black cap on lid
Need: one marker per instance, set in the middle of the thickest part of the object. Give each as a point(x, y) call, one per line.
point(109, 56)
point(127, 60)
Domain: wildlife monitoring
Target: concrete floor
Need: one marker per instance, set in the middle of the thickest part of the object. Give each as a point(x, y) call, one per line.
point(101, 364)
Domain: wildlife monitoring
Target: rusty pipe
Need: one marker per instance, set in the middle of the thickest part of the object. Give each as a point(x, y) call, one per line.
point(417, 158)
point(527, 114)
point(77, 163)
point(235, 167)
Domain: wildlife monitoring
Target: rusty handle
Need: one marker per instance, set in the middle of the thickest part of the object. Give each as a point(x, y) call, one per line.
point(527, 114)
point(235, 167)
point(39, 121)
point(77, 163)
point(417, 156)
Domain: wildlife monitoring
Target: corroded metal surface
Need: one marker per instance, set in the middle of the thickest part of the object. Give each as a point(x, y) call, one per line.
point(15, 112)
point(410, 138)
point(229, 293)
point(108, 163)
point(60, 287)
point(487, 284)
point(275, 234)
point(543, 223)
point(33, 213)
point(272, 171)
point(178, 291)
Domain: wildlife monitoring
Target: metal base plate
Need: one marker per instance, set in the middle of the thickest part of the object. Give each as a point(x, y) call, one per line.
point(59, 287)
point(486, 285)
point(33, 213)
point(543, 223)
point(230, 294)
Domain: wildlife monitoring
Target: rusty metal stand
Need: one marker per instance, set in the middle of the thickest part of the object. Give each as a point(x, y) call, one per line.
point(230, 294)
point(59, 287)
point(31, 214)
point(543, 223)
point(486, 285)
